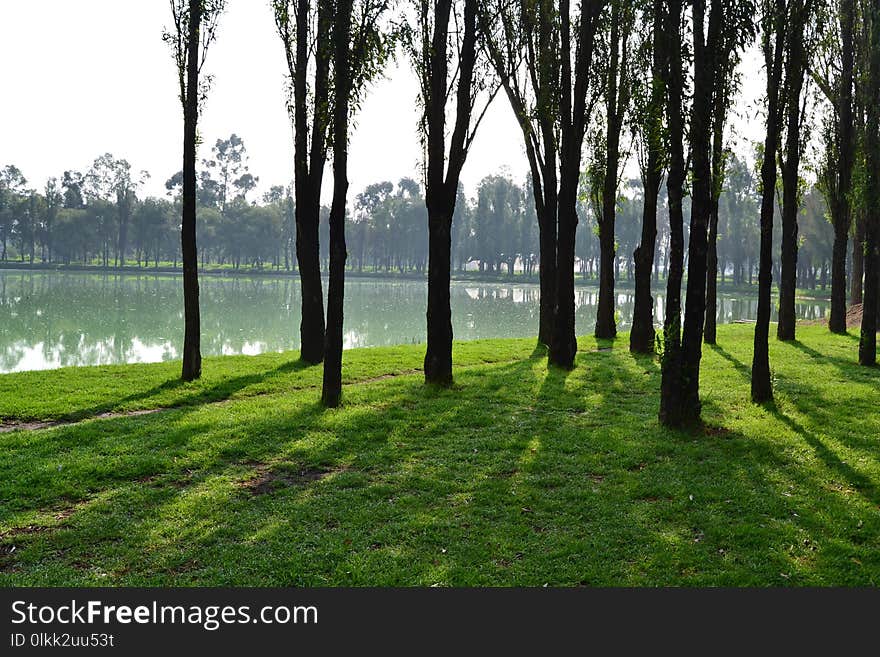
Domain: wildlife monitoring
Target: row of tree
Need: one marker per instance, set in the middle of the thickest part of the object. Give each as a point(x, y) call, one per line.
point(579, 78)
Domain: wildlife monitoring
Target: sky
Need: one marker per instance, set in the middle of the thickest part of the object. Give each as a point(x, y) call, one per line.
point(87, 77)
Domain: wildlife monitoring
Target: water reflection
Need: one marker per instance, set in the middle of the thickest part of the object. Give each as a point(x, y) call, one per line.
point(50, 319)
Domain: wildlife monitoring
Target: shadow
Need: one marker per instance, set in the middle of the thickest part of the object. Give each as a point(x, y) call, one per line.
point(217, 393)
point(833, 462)
point(738, 365)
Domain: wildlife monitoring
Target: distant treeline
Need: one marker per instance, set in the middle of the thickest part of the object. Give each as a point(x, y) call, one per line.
point(97, 218)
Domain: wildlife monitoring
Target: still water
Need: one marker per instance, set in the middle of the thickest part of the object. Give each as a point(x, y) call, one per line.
point(51, 319)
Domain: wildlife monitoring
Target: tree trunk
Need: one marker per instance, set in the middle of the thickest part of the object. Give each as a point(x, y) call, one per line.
point(868, 340)
point(670, 385)
point(841, 208)
point(706, 71)
point(858, 259)
point(438, 358)
point(547, 272)
point(762, 389)
point(719, 117)
point(606, 327)
point(794, 77)
point(192, 356)
point(332, 384)
point(309, 261)
point(641, 337)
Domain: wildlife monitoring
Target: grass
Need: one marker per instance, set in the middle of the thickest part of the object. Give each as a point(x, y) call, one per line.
point(516, 476)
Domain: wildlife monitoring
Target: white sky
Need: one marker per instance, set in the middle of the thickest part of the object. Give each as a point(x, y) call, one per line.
point(85, 77)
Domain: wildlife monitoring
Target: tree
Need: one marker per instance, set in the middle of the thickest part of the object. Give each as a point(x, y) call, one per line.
point(576, 57)
point(833, 71)
point(716, 38)
point(110, 180)
point(12, 186)
point(359, 53)
point(670, 383)
point(868, 339)
point(194, 29)
point(795, 69)
point(726, 83)
point(229, 159)
point(650, 128)
point(442, 44)
point(774, 27)
point(523, 45)
point(304, 30)
point(616, 76)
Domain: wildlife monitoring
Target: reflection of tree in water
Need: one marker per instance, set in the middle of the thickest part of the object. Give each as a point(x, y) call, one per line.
point(51, 319)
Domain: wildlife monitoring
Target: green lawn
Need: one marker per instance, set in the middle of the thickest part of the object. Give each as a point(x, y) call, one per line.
point(517, 476)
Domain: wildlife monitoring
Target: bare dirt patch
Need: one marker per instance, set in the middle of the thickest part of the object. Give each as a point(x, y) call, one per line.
point(6, 427)
point(269, 478)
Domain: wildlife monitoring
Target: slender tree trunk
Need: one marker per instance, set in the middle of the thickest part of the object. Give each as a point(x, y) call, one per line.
point(309, 159)
point(710, 335)
point(332, 388)
point(706, 71)
point(606, 327)
point(795, 69)
point(192, 356)
point(868, 340)
point(858, 259)
point(670, 385)
point(641, 337)
point(573, 110)
point(762, 389)
point(841, 208)
point(442, 180)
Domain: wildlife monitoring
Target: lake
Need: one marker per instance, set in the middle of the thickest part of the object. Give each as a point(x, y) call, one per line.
point(60, 319)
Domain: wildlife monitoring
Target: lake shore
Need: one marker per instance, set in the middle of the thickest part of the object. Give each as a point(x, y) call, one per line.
point(519, 475)
point(477, 277)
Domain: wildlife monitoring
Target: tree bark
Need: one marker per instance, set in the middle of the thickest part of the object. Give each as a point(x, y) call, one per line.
point(332, 384)
point(841, 207)
point(192, 356)
point(762, 389)
point(858, 259)
point(442, 180)
point(670, 385)
point(616, 99)
point(310, 154)
point(641, 337)
point(868, 340)
point(706, 71)
point(794, 82)
point(573, 110)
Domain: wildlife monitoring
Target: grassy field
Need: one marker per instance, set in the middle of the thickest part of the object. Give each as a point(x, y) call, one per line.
point(517, 476)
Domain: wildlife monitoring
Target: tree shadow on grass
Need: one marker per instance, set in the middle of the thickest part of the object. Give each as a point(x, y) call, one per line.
point(220, 392)
point(520, 476)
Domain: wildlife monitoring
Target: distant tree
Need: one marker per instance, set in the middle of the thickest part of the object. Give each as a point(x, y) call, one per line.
point(110, 179)
point(194, 29)
point(229, 159)
point(12, 186)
